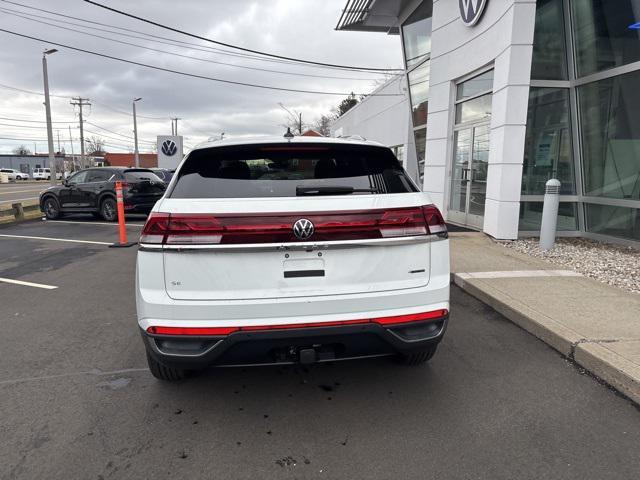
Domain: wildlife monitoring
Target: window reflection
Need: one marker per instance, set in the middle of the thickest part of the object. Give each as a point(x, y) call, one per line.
point(549, 47)
point(548, 142)
point(419, 91)
point(611, 136)
point(475, 86)
point(416, 34)
point(474, 110)
point(602, 34)
point(617, 221)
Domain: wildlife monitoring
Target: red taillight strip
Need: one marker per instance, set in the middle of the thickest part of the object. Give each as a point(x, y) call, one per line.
point(222, 331)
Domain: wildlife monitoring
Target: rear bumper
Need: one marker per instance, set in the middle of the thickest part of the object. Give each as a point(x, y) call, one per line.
point(297, 345)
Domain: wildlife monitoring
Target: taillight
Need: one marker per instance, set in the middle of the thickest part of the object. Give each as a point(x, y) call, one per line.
point(155, 229)
point(435, 222)
point(194, 229)
point(387, 322)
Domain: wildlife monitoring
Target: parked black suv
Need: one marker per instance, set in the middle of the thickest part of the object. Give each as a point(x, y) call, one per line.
point(94, 191)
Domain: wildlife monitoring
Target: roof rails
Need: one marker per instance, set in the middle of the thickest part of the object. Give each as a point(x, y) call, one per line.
point(357, 138)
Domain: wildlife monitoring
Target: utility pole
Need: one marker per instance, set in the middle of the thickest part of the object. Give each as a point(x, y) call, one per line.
point(81, 102)
point(136, 155)
point(174, 125)
point(58, 133)
point(47, 106)
point(73, 156)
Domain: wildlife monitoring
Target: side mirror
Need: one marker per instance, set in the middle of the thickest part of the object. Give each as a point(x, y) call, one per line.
point(65, 182)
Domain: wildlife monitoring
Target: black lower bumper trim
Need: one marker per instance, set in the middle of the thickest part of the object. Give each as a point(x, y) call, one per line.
point(294, 345)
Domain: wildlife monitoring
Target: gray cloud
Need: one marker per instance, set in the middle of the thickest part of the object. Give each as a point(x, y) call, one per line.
point(287, 27)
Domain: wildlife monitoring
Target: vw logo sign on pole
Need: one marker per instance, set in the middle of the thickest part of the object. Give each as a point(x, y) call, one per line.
point(471, 11)
point(303, 229)
point(169, 148)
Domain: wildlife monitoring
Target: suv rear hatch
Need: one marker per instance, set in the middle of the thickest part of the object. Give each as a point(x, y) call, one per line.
point(279, 221)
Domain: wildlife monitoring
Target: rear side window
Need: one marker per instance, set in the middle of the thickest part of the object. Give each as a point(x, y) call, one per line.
point(282, 170)
point(140, 175)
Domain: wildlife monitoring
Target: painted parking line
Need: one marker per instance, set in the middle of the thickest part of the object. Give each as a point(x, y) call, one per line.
point(80, 222)
point(519, 274)
point(27, 284)
point(29, 237)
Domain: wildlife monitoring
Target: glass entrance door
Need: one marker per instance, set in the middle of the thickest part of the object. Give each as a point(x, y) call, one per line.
point(469, 175)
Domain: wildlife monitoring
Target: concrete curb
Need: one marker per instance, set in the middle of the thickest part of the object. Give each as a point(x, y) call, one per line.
point(30, 211)
point(614, 369)
point(596, 357)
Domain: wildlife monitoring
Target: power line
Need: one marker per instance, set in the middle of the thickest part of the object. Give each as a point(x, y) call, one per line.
point(32, 121)
point(191, 57)
point(115, 133)
point(196, 46)
point(228, 45)
point(67, 98)
point(186, 74)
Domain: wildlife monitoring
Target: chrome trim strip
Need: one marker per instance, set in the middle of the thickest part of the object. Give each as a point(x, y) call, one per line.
point(303, 246)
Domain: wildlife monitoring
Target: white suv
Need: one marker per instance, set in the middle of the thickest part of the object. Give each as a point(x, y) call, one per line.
point(285, 251)
point(14, 174)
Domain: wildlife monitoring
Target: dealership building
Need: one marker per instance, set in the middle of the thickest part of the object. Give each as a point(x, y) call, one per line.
point(500, 96)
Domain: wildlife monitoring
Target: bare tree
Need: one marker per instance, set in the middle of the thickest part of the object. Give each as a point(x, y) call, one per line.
point(94, 146)
point(322, 125)
point(21, 150)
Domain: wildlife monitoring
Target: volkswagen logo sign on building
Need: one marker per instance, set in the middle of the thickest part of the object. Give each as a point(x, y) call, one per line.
point(471, 11)
point(303, 229)
point(169, 148)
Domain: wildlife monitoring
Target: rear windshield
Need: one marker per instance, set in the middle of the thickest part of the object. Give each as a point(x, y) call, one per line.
point(281, 170)
point(140, 175)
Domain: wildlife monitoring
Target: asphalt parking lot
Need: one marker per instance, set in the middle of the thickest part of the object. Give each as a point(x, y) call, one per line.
point(21, 192)
point(77, 400)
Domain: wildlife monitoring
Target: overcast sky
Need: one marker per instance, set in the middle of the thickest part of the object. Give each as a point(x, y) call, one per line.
point(302, 29)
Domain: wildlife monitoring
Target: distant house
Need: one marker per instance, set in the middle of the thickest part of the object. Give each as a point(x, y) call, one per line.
point(311, 133)
point(147, 160)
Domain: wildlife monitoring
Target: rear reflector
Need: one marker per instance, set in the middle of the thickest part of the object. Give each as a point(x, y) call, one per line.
point(223, 331)
point(190, 229)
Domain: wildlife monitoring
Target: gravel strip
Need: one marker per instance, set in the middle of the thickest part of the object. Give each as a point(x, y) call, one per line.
point(612, 264)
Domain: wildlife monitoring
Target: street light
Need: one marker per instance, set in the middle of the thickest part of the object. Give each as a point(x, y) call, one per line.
point(135, 133)
point(47, 106)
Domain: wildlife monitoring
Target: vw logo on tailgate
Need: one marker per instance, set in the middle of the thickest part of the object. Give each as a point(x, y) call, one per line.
point(169, 148)
point(303, 229)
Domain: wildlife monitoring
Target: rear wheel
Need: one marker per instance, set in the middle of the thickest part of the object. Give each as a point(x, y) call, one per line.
point(108, 210)
point(162, 372)
point(51, 208)
point(419, 357)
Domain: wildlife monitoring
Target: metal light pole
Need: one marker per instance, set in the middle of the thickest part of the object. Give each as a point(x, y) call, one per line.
point(135, 133)
point(47, 106)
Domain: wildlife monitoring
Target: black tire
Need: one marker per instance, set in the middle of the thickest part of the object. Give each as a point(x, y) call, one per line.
point(419, 357)
point(162, 372)
point(51, 208)
point(109, 209)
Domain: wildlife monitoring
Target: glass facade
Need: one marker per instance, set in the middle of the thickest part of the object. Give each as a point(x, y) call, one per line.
point(416, 41)
point(610, 120)
point(547, 152)
point(416, 35)
point(584, 130)
point(604, 33)
point(531, 216)
point(419, 91)
point(620, 222)
point(549, 51)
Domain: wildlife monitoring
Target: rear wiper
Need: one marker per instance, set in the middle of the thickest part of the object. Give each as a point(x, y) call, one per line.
point(331, 190)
